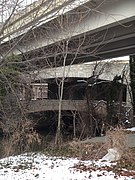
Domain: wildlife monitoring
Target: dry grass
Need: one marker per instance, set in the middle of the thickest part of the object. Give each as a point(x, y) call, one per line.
point(87, 150)
point(20, 140)
point(117, 138)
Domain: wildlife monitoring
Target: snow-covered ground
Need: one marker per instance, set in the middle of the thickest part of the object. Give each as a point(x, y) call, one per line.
point(131, 129)
point(35, 166)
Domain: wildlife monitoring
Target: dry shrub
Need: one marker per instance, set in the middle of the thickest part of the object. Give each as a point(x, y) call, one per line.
point(87, 150)
point(76, 147)
point(21, 139)
point(116, 138)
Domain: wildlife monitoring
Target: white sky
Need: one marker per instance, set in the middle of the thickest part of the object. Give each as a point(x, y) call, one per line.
point(6, 8)
point(117, 58)
point(121, 58)
point(27, 2)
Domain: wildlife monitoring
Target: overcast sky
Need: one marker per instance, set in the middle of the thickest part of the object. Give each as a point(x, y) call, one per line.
point(6, 8)
point(26, 2)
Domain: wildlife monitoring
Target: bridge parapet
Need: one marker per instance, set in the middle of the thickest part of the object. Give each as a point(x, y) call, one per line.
point(99, 107)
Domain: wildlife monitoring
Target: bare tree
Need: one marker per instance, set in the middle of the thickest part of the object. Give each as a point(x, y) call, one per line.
point(60, 51)
point(14, 123)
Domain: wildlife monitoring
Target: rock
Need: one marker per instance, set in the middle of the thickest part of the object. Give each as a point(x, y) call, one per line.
point(112, 155)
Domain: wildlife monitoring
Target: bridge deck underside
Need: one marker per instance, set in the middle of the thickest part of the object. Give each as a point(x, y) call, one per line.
point(109, 43)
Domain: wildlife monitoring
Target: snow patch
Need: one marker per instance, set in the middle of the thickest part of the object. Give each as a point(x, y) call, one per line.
point(33, 166)
point(112, 155)
point(131, 129)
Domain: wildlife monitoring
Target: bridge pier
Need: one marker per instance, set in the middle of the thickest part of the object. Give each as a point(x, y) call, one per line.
point(132, 82)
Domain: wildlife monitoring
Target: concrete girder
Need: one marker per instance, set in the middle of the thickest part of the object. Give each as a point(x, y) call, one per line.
point(111, 25)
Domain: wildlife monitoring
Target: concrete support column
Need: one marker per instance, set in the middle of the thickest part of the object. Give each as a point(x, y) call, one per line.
point(132, 79)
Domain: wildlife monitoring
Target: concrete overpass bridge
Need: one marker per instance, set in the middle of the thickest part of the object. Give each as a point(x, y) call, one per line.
point(94, 29)
point(81, 32)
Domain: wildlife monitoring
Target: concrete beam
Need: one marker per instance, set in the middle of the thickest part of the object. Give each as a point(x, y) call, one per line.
point(110, 14)
point(106, 70)
point(52, 105)
point(103, 19)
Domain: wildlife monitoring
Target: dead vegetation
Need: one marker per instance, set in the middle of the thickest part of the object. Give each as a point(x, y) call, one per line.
point(116, 138)
point(21, 139)
point(87, 151)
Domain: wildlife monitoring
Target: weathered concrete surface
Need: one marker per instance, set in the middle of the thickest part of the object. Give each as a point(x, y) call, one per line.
point(129, 137)
point(53, 105)
point(110, 20)
point(106, 70)
point(131, 140)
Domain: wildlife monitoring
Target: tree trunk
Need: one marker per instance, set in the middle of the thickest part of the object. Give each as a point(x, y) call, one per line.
point(58, 138)
point(90, 121)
